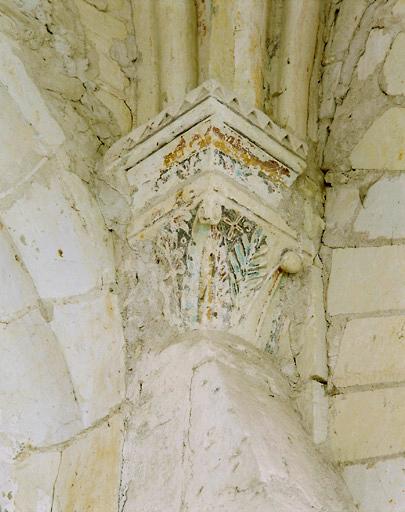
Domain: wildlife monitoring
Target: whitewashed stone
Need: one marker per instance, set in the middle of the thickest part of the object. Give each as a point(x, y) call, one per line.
point(119, 109)
point(342, 202)
point(384, 209)
point(25, 93)
point(377, 46)
point(297, 48)
point(35, 477)
point(372, 351)
point(17, 289)
point(312, 358)
point(399, 8)
point(200, 444)
point(377, 487)
point(90, 334)
point(366, 280)
point(59, 233)
point(313, 405)
point(20, 152)
point(89, 475)
point(102, 30)
point(77, 192)
point(349, 16)
point(284, 354)
point(330, 81)
point(7, 485)
point(35, 388)
point(382, 147)
point(367, 424)
point(394, 67)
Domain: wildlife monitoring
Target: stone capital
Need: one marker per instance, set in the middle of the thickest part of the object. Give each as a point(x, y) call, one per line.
point(207, 180)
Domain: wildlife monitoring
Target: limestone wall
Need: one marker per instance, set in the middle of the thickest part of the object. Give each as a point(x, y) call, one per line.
point(74, 77)
point(362, 116)
point(63, 97)
point(88, 354)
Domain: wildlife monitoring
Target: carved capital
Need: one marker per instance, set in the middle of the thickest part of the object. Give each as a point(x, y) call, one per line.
point(207, 180)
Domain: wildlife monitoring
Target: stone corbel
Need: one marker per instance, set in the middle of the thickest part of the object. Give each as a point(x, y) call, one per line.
point(208, 177)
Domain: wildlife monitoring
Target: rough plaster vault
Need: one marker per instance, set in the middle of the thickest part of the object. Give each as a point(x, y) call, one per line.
point(202, 246)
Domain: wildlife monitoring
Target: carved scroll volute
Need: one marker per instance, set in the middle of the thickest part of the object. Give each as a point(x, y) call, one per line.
point(207, 178)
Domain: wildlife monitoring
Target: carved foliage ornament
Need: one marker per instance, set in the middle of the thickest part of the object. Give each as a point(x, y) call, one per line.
point(221, 267)
point(212, 270)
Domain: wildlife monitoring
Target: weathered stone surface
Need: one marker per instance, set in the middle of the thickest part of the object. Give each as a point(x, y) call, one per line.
point(35, 478)
point(394, 67)
point(367, 424)
point(18, 291)
point(330, 81)
point(35, 387)
point(346, 24)
point(25, 93)
point(311, 360)
point(88, 83)
point(399, 8)
point(372, 351)
point(89, 473)
point(377, 487)
point(383, 209)
point(102, 30)
point(91, 338)
point(377, 46)
point(199, 444)
point(364, 144)
point(383, 145)
point(342, 203)
point(20, 150)
point(366, 280)
point(313, 405)
point(58, 231)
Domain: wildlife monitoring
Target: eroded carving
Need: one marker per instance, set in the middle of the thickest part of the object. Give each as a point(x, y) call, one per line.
point(214, 268)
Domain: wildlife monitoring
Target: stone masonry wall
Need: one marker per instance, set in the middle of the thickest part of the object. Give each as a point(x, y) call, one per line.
point(362, 126)
point(76, 76)
point(65, 94)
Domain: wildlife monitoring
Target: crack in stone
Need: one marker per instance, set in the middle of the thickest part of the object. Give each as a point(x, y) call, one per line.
point(56, 479)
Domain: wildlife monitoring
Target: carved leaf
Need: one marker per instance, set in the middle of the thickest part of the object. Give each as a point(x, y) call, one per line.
point(248, 263)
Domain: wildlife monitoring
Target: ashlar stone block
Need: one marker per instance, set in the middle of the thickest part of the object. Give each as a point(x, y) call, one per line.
point(394, 67)
point(366, 280)
point(371, 351)
point(312, 359)
point(377, 487)
point(21, 152)
point(382, 147)
point(27, 96)
point(383, 209)
point(89, 473)
point(91, 338)
point(59, 233)
point(342, 202)
point(34, 479)
point(367, 424)
point(18, 291)
point(377, 46)
point(40, 407)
